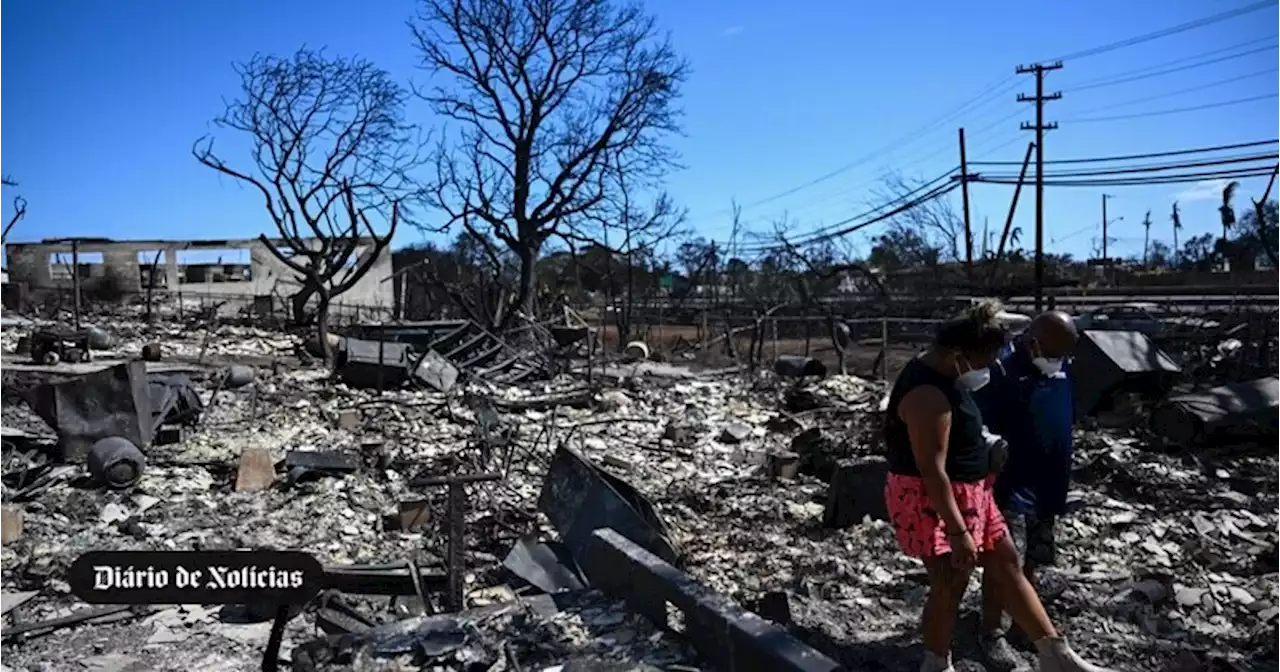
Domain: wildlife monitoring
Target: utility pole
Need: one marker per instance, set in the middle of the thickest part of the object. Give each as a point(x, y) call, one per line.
point(1104, 227)
point(75, 279)
point(1040, 127)
point(964, 190)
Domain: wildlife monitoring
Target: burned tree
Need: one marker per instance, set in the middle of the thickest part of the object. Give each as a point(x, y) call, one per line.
point(19, 209)
point(933, 224)
point(627, 232)
point(551, 98)
point(331, 156)
point(822, 267)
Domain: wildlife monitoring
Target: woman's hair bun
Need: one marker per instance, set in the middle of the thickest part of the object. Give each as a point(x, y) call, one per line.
point(985, 312)
point(977, 328)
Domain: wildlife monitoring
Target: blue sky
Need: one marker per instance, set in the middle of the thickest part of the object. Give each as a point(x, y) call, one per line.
point(104, 100)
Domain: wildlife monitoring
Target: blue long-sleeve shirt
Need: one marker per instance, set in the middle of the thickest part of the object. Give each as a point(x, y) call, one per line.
point(1034, 414)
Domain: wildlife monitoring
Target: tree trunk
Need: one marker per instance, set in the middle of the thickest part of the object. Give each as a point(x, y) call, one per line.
point(322, 329)
point(150, 295)
point(300, 300)
point(524, 298)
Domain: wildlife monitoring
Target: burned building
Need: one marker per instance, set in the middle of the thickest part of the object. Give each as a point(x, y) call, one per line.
point(218, 269)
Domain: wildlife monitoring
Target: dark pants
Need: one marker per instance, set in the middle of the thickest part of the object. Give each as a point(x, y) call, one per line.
point(1033, 536)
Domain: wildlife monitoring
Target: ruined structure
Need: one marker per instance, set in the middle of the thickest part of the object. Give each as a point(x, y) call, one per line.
point(218, 269)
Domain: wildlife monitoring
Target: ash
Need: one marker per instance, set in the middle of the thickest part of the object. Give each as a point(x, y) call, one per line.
point(1168, 561)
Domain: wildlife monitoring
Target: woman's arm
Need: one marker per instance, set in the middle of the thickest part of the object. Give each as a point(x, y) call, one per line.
point(927, 414)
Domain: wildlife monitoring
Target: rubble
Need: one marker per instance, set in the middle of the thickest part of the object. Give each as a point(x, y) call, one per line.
point(1240, 412)
point(1166, 559)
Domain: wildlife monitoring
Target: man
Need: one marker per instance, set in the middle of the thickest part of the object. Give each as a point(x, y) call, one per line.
point(1029, 403)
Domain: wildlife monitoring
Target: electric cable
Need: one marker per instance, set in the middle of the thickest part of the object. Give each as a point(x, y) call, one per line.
point(982, 97)
point(846, 226)
point(1126, 157)
point(1162, 167)
point(1172, 30)
point(898, 168)
point(1176, 110)
point(937, 192)
point(1147, 73)
point(898, 199)
point(1238, 173)
point(1170, 94)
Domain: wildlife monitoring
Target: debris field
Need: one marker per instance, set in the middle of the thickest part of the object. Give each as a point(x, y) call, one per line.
point(1168, 560)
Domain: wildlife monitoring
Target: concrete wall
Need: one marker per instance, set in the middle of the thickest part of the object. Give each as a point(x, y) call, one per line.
point(31, 263)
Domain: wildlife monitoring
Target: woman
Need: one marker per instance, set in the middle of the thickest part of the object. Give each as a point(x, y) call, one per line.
point(939, 490)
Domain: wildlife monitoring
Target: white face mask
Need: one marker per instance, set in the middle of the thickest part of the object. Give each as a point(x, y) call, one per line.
point(974, 379)
point(1048, 367)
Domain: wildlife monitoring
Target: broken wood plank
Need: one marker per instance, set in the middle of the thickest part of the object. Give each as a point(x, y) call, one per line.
point(257, 470)
point(10, 524)
point(466, 345)
point(435, 344)
point(11, 601)
point(582, 397)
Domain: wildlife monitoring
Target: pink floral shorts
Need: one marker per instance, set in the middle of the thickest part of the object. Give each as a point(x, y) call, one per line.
point(921, 532)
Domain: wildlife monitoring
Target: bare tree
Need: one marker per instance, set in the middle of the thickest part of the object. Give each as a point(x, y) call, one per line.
point(1175, 216)
point(1227, 209)
point(476, 277)
point(629, 232)
point(1266, 234)
point(19, 208)
point(332, 154)
point(935, 220)
point(823, 266)
point(551, 99)
point(1146, 238)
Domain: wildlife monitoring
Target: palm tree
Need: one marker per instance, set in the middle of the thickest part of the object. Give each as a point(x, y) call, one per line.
point(1176, 218)
point(1146, 237)
point(1228, 213)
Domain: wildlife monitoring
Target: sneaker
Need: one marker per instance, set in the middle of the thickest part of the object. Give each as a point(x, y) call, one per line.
point(1057, 656)
point(934, 663)
point(1000, 656)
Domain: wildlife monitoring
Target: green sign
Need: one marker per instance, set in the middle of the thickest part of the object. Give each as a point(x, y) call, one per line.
point(666, 281)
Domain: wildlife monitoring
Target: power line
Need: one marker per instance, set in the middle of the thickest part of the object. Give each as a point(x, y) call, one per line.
point(1173, 30)
point(981, 97)
point(900, 166)
point(986, 94)
point(1238, 173)
point(846, 226)
point(1149, 155)
point(999, 147)
point(1168, 179)
point(1179, 92)
point(1147, 73)
point(1184, 59)
point(1163, 167)
point(1176, 110)
point(937, 192)
point(826, 230)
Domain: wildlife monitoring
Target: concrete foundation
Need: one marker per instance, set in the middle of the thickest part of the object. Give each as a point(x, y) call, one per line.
point(727, 636)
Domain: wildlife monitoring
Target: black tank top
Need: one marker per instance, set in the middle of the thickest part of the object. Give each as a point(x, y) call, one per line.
point(967, 453)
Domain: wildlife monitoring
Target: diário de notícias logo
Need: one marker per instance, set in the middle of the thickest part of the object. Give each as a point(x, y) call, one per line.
point(195, 577)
